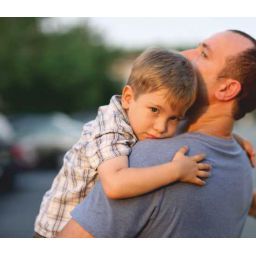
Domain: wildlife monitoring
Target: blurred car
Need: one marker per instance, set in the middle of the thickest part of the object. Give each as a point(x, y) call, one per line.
point(6, 167)
point(42, 140)
point(7, 158)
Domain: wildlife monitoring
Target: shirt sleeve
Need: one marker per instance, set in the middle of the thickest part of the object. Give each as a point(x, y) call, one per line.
point(108, 145)
point(104, 217)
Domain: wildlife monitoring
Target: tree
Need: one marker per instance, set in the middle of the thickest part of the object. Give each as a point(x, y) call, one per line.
point(61, 71)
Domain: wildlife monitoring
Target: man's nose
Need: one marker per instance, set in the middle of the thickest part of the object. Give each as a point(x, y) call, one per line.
point(189, 54)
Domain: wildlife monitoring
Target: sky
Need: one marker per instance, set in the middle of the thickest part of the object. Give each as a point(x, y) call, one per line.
point(144, 32)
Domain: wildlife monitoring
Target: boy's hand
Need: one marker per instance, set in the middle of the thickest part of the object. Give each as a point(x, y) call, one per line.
point(248, 148)
point(252, 210)
point(190, 169)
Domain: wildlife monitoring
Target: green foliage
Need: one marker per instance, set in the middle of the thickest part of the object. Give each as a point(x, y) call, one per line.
point(42, 72)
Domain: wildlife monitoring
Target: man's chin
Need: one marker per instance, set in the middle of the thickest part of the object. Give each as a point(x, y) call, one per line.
point(200, 105)
point(196, 110)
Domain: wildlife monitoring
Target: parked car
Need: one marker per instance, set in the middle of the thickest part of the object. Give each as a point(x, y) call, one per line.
point(7, 159)
point(6, 167)
point(43, 139)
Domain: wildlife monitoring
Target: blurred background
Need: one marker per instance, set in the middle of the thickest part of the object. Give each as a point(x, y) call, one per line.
point(54, 73)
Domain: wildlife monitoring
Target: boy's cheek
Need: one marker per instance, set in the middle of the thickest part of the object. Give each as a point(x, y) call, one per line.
point(172, 130)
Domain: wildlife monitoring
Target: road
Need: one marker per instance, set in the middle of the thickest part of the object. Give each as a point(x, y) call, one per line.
point(19, 208)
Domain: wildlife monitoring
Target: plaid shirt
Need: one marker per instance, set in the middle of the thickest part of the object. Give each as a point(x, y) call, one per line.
point(108, 136)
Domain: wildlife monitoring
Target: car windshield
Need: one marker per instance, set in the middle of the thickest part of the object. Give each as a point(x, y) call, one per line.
point(6, 130)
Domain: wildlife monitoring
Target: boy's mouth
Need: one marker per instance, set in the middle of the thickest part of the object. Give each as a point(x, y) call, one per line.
point(150, 136)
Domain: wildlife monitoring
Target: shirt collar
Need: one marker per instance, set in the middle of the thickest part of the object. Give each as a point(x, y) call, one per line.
point(115, 102)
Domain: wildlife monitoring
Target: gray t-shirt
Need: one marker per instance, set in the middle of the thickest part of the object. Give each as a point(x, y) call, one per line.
point(218, 209)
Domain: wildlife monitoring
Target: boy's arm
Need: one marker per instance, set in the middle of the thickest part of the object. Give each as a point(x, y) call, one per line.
point(119, 181)
point(248, 148)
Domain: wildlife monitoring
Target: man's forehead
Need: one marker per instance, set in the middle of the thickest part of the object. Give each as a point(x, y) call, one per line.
point(228, 42)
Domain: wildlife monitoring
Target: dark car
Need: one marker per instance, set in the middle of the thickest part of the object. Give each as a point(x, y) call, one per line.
point(42, 139)
point(7, 169)
point(7, 155)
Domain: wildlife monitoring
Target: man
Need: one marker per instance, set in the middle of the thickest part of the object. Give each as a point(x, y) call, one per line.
point(226, 64)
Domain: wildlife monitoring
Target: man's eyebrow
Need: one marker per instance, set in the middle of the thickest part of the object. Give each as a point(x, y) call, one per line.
point(206, 46)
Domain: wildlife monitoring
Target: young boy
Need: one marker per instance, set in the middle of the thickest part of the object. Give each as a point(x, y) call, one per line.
point(161, 87)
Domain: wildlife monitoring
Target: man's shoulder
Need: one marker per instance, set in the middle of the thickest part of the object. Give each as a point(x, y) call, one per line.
point(154, 152)
point(194, 139)
point(167, 142)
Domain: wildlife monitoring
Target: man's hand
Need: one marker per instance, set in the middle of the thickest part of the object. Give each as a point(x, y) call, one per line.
point(248, 148)
point(73, 230)
point(252, 211)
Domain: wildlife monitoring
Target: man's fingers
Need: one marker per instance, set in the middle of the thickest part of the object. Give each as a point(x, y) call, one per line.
point(198, 158)
point(253, 161)
point(252, 210)
point(252, 158)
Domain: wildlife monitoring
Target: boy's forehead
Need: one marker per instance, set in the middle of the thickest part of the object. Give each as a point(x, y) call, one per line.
point(161, 96)
point(164, 99)
point(159, 93)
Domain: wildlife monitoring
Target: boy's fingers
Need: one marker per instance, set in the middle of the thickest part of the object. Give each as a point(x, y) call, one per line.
point(203, 174)
point(183, 150)
point(198, 158)
point(199, 182)
point(204, 166)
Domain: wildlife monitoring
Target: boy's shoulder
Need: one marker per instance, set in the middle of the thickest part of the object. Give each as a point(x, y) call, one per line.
point(112, 117)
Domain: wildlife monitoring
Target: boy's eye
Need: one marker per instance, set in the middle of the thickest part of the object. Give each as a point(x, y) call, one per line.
point(173, 118)
point(177, 118)
point(154, 110)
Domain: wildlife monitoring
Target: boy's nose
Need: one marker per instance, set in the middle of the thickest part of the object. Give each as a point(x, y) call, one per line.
point(160, 127)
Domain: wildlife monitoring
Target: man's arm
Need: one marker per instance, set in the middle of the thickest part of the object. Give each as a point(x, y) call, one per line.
point(73, 230)
point(247, 147)
point(99, 216)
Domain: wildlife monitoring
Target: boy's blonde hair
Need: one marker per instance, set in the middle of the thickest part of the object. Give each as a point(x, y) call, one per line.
point(158, 69)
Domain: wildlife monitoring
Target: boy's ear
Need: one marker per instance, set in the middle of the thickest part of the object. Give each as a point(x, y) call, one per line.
point(127, 96)
point(228, 90)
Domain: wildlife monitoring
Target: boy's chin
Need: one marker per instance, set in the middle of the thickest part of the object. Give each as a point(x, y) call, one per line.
point(155, 138)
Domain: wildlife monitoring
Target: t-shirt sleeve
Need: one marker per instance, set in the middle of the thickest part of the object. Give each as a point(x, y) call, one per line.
point(104, 217)
point(108, 145)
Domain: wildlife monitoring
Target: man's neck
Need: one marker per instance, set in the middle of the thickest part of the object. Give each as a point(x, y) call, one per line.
point(211, 122)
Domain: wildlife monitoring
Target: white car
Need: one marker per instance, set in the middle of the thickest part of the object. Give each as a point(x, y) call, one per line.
point(45, 138)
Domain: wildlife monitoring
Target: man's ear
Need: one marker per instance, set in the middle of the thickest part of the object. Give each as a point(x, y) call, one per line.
point(228, 90)
point(127, 96)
